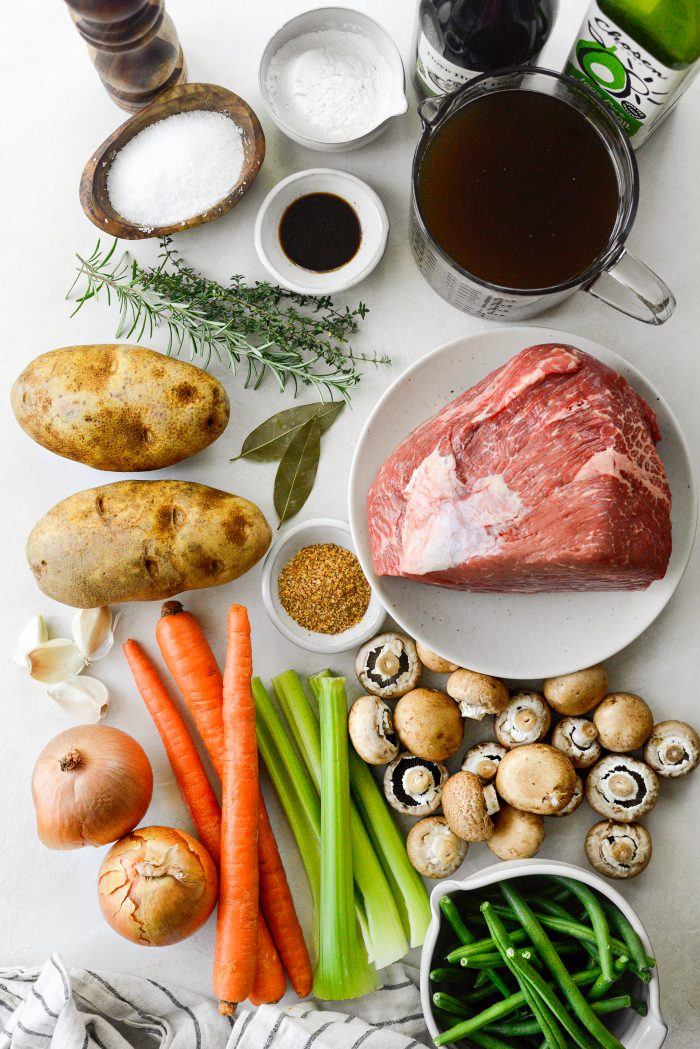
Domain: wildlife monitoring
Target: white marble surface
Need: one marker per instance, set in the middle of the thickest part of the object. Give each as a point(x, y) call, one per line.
point(55, 113)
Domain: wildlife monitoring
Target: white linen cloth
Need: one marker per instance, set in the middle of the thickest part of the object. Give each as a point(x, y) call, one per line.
point(57, 1007)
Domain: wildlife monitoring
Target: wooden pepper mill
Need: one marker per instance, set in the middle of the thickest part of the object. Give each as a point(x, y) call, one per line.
point(134, 47)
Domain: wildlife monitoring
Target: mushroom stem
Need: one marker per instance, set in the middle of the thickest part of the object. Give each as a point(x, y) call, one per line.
point(673, 754)
point(622, 785)
point(525, 719)
point(417, 780)
point(622, 851)
point(388, 664)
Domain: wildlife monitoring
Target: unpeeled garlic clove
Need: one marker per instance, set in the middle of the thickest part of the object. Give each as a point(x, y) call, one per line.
point(35, 633)
point(93, 632)
point(84, 698)
point(55, 661)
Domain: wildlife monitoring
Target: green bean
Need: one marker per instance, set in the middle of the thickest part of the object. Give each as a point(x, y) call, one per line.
point(448, 974)
point(567, 927)
point(482, 946)
point(602, 986)
point(449, 910)
point(598, 921)
point(638, 1006)
point(449, 1004)
point(559, 971)
point(489, 961)
point(489, 1041)
point(523, 1027)
point(639, 956)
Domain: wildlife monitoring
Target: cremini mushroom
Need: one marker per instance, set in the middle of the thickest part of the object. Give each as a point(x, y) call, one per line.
point(477, 694)
point(618, 850)
point(576, 693)
point(576, 799)
point(433, 661)
point(536, 778)
point(526, 719)
point(483, 760)
point(433, 849)
point(517, 835)
point(622, 788)
point(413, 785)
point(673, 749)
point(371, 730)
point(465, 807)
point(429, 724)
point(624, 722)
point(578, 739)
point(388, 665)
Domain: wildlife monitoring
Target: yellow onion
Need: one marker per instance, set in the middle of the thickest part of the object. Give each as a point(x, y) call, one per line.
point(91, 785)
point(157, 886)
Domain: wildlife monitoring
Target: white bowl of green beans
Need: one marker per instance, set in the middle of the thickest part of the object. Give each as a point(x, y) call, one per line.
point(538, 954)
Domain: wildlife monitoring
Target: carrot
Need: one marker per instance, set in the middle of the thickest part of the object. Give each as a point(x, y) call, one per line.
point(269, 983)
point(182, 754)
point(235, 961)
point(191, 662)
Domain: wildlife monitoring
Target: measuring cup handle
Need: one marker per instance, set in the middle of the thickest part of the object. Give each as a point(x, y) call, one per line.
point(632, 288)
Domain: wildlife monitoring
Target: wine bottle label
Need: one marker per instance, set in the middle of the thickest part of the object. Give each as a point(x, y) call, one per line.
point(638, 87)
point(437, 74)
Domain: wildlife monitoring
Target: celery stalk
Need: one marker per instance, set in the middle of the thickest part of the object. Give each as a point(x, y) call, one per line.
point(407, 885)
point(343, 970)
point(383, 931)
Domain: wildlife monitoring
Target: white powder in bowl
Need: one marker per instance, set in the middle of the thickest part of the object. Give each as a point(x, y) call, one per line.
point(174, 169)
point(332, 84)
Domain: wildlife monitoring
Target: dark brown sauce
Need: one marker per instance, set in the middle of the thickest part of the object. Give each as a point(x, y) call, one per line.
point(519, 189)
point(320, 232)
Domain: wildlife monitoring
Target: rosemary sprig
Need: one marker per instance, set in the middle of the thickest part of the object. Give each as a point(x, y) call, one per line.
point(260, 327)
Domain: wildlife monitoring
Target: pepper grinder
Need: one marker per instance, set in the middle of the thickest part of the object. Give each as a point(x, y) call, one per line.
point(134, 47)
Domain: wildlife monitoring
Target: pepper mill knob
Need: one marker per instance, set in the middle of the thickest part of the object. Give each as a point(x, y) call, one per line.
point(134, 47)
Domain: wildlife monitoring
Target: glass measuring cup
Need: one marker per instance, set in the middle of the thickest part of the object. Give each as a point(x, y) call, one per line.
point(615, 276)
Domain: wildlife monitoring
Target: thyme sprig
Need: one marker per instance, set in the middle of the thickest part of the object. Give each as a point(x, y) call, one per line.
point(257, 327)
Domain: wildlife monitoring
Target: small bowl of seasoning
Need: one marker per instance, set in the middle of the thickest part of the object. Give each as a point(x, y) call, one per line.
point(315, 591)
point(320, 231)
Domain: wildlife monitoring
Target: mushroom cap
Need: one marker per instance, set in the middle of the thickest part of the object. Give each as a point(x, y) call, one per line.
point(517, 835)
point(413, 785)
point(621, 788)
point(483, 759)
point(477, 694)
point(464, 806)
point(536, 778)
point(434, 662)
point(576, 693)
point(371, 730)
point(624, 722)
point(575, 802)
point(526, 719)
point(433, 849)
point(578, 739)
point(673, 749)
point(388, 665)
point(618, 850)
point(429, 724)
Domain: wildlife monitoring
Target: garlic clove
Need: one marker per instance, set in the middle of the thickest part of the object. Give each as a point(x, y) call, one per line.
point(55, 661)
point(84, 698)
point(35, 633)
point(93, 632)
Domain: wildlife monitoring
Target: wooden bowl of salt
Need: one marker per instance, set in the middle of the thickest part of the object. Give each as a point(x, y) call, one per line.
point(174, 165)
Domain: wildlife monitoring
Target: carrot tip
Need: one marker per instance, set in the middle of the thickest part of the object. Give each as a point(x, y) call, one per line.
point(227, 1008)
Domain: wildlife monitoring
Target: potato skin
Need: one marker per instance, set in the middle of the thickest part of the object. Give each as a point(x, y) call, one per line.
point(144, 541)
point(121, 408)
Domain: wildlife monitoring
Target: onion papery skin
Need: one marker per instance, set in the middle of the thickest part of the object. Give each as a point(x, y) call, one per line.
point(157, 886)
point(91, 785)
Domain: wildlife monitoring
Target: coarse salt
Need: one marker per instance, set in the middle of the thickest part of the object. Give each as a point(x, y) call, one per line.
point(176, 168)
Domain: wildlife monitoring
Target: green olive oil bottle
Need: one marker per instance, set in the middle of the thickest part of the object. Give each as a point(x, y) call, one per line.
point(640, 56)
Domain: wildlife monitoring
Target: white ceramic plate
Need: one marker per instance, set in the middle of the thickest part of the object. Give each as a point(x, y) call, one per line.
point(520, 636)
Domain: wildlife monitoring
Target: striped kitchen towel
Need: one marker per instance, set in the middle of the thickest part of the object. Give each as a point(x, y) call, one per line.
point(57, 1007)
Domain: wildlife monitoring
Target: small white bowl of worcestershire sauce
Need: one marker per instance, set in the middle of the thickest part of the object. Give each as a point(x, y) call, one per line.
point(321, 231)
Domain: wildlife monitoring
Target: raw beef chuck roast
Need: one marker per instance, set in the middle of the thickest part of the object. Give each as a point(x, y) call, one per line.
point(543, 476)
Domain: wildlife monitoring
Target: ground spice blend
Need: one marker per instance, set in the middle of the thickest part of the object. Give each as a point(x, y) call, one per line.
point(324, 589)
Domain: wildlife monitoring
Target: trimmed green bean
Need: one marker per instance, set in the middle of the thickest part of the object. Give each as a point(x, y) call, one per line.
point(602, 986)
point(449, 1004)
point(450, 912)
point(489, 1041)
point(490, 961)
point(448, 974)
point(567, 927)
point(639, 956)
point(598, 922)
point(526, 1027)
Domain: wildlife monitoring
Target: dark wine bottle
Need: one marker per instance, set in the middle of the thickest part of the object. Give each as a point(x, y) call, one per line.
point(458, 39)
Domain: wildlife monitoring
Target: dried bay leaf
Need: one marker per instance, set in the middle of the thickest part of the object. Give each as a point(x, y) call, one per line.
point(269, 441)
point(296, 472)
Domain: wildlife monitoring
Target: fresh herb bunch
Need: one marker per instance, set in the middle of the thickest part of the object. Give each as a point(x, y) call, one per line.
point(260, 327)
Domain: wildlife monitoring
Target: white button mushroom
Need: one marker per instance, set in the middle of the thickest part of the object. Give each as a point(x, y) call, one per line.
point(388, 665)
point(433, 849)
point(526, 719)
point(465, 807)
point(413, 785)
point(578, 739)
point(536, 778)
point(483, 760)
point(517, 835)
point(433, 661)
point(576, 693)
point(429, 724)
point(624, 722)
point(618, 850)
point(371, 730)
point(576, 799)
point(673, 749)
point(622, 788)
point(477, 694)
